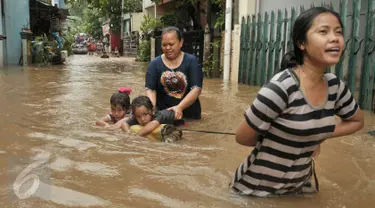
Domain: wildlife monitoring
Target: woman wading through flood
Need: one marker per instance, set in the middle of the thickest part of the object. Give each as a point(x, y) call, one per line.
point(295, 112)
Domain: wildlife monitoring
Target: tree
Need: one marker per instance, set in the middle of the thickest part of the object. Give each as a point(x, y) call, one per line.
point(110, 9)
point(187, 11)
point(92, 24)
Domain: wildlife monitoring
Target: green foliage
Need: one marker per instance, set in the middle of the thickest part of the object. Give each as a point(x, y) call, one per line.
point(184, 1)
point(105, 8)
point(144, 51)
point(92, 24)
point(221, 14)
point(211, 63)
point(68, 37)
point(149, 25)
point(169, 19)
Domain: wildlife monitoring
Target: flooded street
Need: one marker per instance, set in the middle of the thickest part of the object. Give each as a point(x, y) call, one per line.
point(53, 155)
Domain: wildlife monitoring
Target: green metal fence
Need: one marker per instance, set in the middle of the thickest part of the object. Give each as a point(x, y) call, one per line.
point(264, 41)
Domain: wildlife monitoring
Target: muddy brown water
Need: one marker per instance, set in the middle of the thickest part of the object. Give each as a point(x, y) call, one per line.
point(52, 149)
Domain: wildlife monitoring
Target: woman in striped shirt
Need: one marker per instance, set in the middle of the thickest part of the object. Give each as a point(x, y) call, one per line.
point(295, 111)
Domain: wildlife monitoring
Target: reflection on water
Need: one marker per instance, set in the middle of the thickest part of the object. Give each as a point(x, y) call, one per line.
point(48, 115)
point(68, 197)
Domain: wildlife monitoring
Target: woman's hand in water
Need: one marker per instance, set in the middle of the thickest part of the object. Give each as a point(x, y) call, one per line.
point(177, 112)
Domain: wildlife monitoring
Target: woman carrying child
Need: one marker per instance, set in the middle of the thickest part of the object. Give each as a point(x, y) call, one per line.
point(295, 112)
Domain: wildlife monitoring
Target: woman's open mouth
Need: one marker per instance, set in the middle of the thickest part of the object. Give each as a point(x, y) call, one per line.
point(333, 51)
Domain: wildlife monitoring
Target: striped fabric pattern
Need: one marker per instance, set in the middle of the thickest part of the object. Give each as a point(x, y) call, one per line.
point(290, 130)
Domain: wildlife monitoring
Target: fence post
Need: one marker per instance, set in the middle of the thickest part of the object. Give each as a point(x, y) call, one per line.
point(256, 78)
point(278, 40)
point(235, 53)
point(354, 46)
point(250, 40)
point(291, 24)
point(285, 22)
point(242, 52)
point(271, 48)
point(246, 66)
point(367, 77)
point(343, 12)
point(251, 68)
point(263, 57)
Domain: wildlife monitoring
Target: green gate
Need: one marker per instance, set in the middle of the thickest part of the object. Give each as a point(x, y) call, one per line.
point(265, 39)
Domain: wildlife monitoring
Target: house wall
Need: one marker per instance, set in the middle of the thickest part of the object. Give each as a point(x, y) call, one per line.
point(150, 11)
point(246, 7)
point(137, 21)
point(126, 22)
point(62, 4)
point(147, 4)
point(14, 21)
point(127, 26)
point(149, 8)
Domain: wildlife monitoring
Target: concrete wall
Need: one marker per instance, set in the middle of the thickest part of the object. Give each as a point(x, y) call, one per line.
point(62, 4)
point(133, 21)
point(137, 19)
point(150, 11)
point(14, 21)
point(126, 25)
point(235, 53)
point(147, 4)
point(53, 2)
point(246, 7)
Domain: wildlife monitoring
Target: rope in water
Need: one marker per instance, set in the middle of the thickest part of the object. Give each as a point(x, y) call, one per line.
point(209, 132)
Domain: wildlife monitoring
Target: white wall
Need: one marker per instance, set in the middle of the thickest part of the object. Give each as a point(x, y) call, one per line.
point(14, 21)
point(137, 19)
point(53, 2)
point(147, 4)
point(246, 7)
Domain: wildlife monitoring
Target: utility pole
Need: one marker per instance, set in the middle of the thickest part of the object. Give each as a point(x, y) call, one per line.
point(122, 29)
point(228, 39)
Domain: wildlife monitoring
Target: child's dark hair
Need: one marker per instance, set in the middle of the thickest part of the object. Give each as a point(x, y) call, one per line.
point(302, 24)
point(142, 101)
point(122, 99)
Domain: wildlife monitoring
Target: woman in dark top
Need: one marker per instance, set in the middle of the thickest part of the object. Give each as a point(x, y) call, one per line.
point(174, 79)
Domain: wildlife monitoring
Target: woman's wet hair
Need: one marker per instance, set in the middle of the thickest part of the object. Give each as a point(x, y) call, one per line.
point(122, 99)
point(142, 101)
point(299, 33)
point(171, 29)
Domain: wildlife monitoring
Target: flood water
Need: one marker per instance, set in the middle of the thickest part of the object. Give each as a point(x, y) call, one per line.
point(53, 155)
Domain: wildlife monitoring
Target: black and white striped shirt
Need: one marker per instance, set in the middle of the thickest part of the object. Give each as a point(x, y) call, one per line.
point(290, 130)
